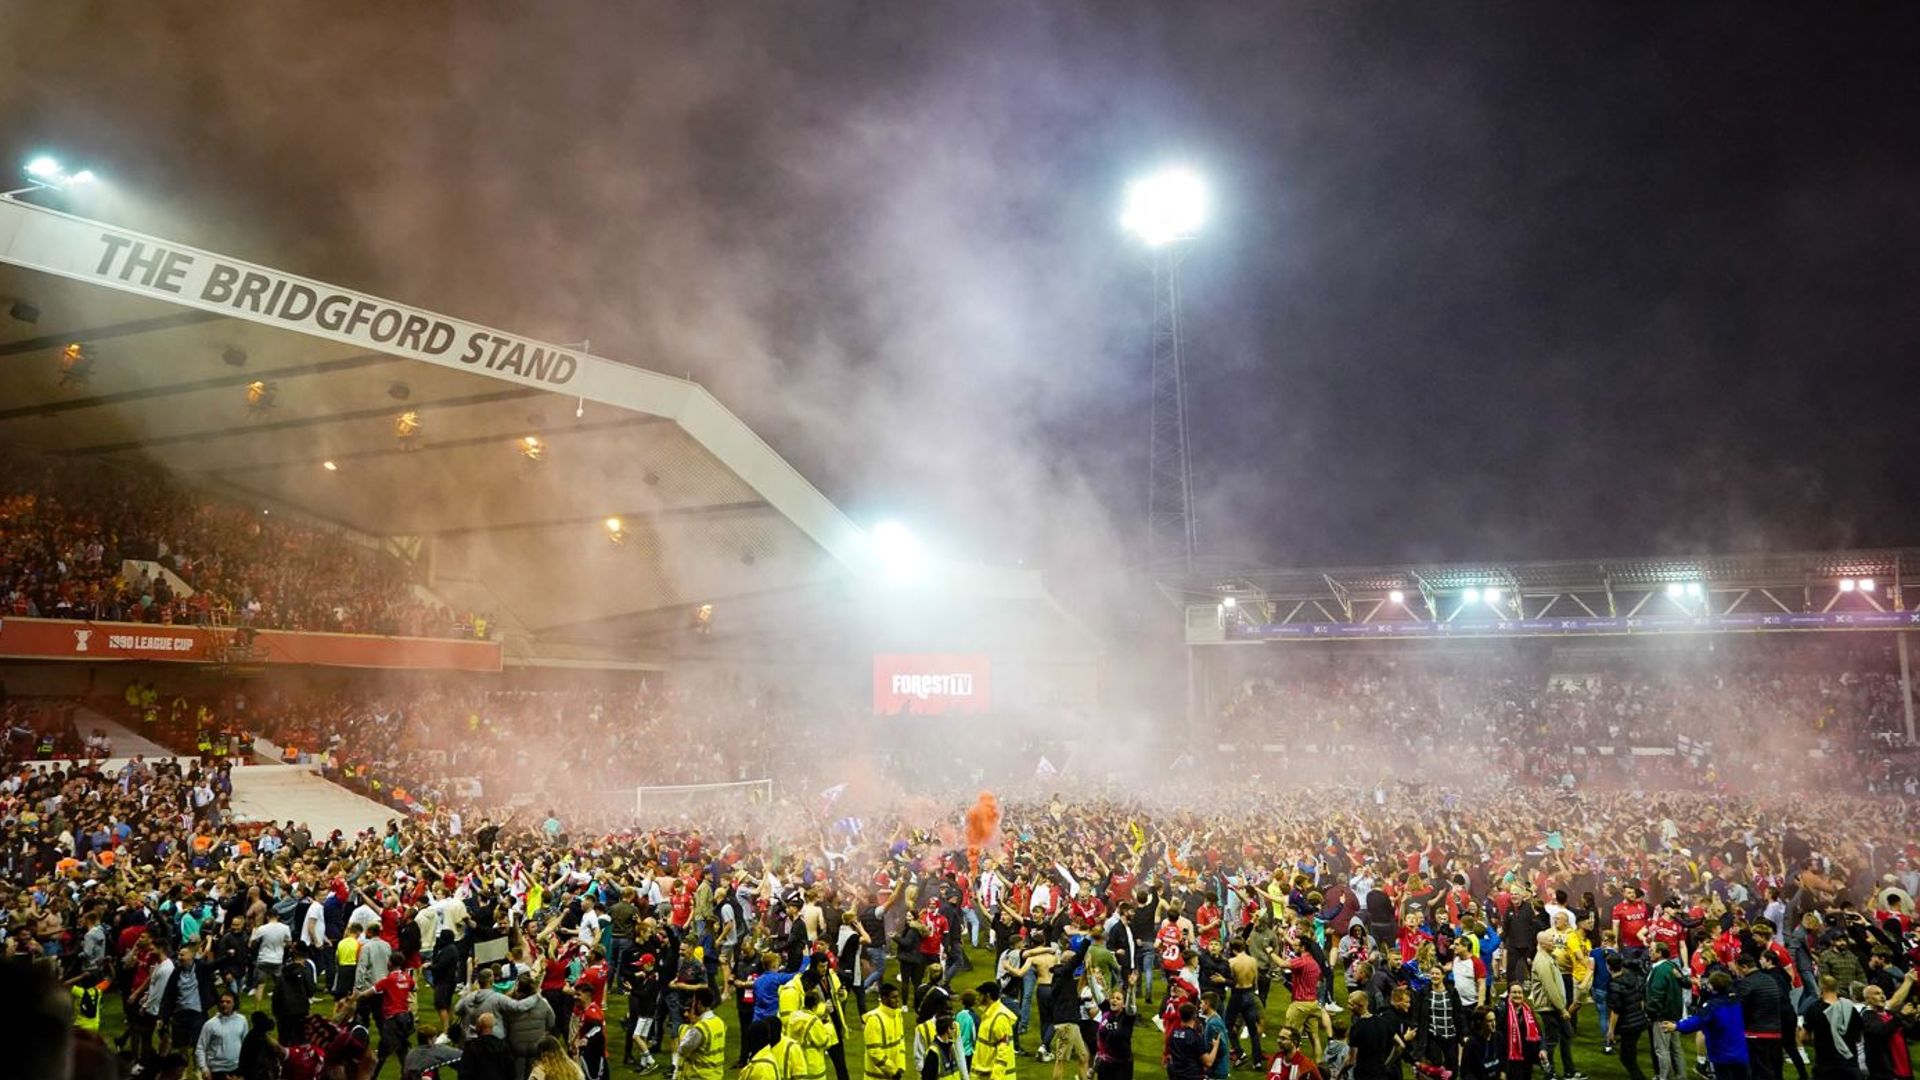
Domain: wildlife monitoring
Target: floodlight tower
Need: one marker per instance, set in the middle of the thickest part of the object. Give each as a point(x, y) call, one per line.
point(1165, 211)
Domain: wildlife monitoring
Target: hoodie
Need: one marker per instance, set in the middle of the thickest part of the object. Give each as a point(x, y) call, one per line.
point(1720, 1017)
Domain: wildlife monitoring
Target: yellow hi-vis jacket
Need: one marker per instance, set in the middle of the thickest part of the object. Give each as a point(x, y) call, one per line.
point(993, 1044)
point(885, 1032)
point(812, 1035)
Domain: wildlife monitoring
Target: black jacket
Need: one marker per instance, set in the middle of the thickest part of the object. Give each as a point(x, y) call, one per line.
point(1761, 1002)
point(1627, 998)
point(487, 1059)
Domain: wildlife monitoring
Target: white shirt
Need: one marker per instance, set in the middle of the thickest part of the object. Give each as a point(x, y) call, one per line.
point(590, 928)
point(313, 929)
point(1463, 981)
point(273, 939)
point(364, 916)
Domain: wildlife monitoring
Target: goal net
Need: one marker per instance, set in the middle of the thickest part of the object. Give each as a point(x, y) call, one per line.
point(703, 801)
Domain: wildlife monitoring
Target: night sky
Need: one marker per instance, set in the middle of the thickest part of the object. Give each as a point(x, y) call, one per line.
point(1482, 282)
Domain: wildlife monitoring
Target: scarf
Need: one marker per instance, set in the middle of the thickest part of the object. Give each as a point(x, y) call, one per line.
point(1520, 1017)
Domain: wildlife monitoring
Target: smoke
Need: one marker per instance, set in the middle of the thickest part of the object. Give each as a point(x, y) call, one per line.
point(983, 823)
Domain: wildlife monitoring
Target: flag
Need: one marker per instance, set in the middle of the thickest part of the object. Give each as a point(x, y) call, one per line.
point(1045, 770)
point(851, 825)
point(1138, 835)
point(833, 793)
point(1073, 885)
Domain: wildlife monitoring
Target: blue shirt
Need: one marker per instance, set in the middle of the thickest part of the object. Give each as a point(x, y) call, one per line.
point(1215, 1033)
point(766, 994)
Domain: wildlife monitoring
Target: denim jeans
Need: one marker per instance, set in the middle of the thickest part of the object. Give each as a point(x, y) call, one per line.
point(1600, 1009)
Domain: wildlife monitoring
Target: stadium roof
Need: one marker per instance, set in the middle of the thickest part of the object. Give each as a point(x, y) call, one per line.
point(171, 339)
point(1760, 570)
point(1830, 590)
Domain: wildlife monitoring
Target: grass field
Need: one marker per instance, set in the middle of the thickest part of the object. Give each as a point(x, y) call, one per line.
point(1587, 1055)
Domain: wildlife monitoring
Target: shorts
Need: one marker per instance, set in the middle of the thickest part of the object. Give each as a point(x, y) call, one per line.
point(262, 971)
point(643, 1027)
point(1307, 1018)
point(1067, 1043)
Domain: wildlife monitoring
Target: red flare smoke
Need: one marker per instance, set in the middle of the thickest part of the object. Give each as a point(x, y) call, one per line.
point(983, 823)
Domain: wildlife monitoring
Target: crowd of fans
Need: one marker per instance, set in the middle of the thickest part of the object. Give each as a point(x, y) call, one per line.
point(1481, 932)
point(67, 528)
point(1629, 716)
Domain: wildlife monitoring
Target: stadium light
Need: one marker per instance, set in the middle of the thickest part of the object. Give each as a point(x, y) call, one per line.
point(1674, 590)
point(1397, 597)
point(330, 466)
point(900, 555)
point(1230, 603)
point(1493, 597)
point(1165, 208)
point(1846, 584)
point(1866, 584)
point(45, 173)
point(1694, 590)
point(1471, 596)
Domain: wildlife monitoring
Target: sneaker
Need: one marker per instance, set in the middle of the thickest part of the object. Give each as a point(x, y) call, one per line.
point(1158, 1023)
point(1606, 1048)
point(1335, 1009)
point(1044, 1055)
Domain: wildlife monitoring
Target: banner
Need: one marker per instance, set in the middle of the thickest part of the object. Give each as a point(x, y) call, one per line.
point(931, 684)
point(1589, 625)
point(164, 270)
point(61, 639)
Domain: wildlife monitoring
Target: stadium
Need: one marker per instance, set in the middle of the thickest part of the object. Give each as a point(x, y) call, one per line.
point(390, 692)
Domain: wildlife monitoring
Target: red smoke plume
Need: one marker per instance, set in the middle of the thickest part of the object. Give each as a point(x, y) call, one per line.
point(983, 824)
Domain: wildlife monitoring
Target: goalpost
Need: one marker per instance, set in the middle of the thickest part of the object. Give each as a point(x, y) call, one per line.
point(668, 800)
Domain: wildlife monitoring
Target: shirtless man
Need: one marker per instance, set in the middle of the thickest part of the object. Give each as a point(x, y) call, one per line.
point(1243, 1000)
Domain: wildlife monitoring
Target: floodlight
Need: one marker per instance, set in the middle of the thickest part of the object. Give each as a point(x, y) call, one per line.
point(1674, 590)
point(1866, 584)
point(43, 168)
point(329, 466)
point(1230, 602)
point(1693, 589)
point(84, 176)
point(1493, 596)
point(1166, 207)
point(899, 551)
point(1396, 597)
point(1846, 584)
point(1472, 596)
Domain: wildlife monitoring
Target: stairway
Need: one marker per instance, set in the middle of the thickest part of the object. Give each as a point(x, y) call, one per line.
point(295, 793)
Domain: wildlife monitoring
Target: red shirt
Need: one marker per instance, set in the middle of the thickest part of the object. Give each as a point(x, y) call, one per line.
point(682, 908)
point(1208, 913)
point(396, 992)
point(594, 981)
point(1304, 982)
point(1088, 910)
point(1632, 917)
point(936, 924)
point(1667, 932)
point(1168, 941)
point(1297, 1067)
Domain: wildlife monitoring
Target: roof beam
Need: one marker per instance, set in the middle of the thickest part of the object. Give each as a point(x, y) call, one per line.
point(108, 333)
point(218, 382)
point(266, 427)
point(428, 447)
point(637, 517)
